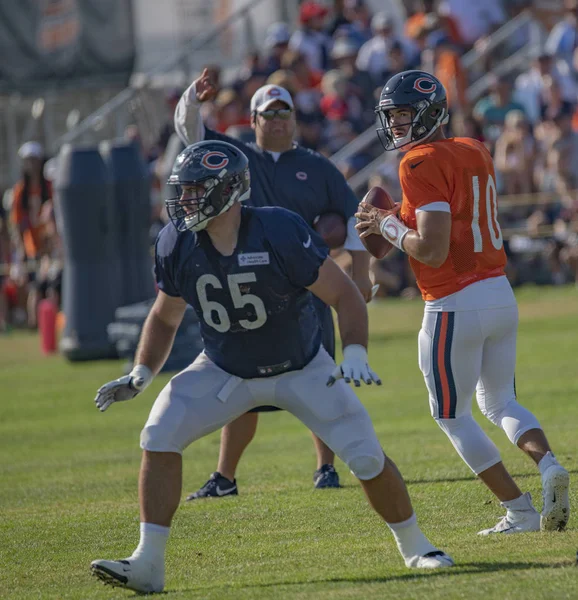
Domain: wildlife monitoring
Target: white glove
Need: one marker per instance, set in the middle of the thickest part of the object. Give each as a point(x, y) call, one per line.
point(125, 388)
point(354, 366)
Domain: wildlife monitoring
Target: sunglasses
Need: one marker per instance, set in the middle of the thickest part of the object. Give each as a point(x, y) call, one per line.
point(271, 113)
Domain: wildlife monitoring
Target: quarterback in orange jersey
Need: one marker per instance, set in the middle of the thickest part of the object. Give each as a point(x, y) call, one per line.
point(448, 226)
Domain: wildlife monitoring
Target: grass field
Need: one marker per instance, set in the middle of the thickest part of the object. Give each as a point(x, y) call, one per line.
point(69, 474)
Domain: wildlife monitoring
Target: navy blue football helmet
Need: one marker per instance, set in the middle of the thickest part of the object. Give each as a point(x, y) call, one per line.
point(424, 95)
point(208, 178)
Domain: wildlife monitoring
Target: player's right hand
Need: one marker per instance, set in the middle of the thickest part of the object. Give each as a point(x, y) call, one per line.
point(204, 87)
point(125, 388)
point(354, 367)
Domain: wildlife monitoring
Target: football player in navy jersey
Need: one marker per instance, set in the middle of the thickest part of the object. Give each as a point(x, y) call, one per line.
point(285, 174)
point(250, 274)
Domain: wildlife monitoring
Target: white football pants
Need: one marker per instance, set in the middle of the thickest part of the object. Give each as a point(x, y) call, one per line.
point(204, 398)
point(465, 351)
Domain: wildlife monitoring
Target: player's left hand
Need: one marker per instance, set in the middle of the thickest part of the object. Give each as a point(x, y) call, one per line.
point(370, 218)
point(354, 367)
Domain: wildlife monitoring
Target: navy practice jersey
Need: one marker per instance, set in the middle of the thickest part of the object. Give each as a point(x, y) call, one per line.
point(301, 180)
point(257, 319)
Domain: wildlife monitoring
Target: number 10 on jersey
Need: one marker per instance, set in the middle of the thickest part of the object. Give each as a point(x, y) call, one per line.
point(491, 214)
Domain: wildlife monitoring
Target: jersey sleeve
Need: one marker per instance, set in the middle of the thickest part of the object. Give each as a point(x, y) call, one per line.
point(423, 181)
point(344, 202)
point(299, 250)
point(187, 118)
point(189, 124)
point(165, 261)
point(341, 197)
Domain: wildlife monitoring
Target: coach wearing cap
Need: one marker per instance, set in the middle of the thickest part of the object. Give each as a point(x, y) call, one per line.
point(293, 177)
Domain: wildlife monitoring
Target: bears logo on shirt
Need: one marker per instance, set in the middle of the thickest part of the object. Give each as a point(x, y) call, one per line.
point(301, 175)
point(425, 85)
point(214, 160)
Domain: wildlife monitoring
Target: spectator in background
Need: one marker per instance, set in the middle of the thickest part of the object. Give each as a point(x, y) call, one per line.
point(359, 83)
point(430, 11)
point(545, 134)
point(476, 18)
point(567, 235)
point(359, 17)
point(557, 168)
point(252, 63)
point(336, 134)
point(492, 109)
point(251, 77)
point(171, 99)
point(552, 102)
point(565, 153)
point(309, 124)
point(229, 110)
point(307, 83)
point(309, 132)
point(30, 215)
point(563, 39)
point(337, 17)
point(310, 39)
point(515, 154)
point(447, 67)
point(380, 55)
point(284, 78)
point(276, 44)
point(16, 293)
point(529, 86)
point(337, 103)
point(471, 128)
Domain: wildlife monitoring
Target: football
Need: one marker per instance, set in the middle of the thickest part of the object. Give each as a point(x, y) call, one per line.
point(376, 244)
point(332, 228)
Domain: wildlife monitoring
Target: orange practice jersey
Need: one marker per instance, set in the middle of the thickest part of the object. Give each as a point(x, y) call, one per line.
point(458, 171)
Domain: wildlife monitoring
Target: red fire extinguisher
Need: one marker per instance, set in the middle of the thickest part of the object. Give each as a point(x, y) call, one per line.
point(47, 313)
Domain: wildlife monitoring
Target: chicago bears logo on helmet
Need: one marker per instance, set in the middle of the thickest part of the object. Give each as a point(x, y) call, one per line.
point(215, 160)
point(424, 85)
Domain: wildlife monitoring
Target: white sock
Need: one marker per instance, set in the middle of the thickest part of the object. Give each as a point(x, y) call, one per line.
point(547, 461)
point(153, 541)
point(410, 539)
point(523, 502)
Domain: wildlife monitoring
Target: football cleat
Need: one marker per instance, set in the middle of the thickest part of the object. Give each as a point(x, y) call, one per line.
point(556, 509)
point(326, 477)
point(217, 487)
point(437, 559)
point(517, 521)
point(133, 574)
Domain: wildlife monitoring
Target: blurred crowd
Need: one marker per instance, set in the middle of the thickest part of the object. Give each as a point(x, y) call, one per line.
point(334, 61)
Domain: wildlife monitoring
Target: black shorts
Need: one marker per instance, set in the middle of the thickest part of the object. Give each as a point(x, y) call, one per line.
point(328, 341)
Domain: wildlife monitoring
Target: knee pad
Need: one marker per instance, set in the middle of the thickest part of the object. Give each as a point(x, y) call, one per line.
point(513, 418)
point(364, 459)
point(158, 439)
point(471, 443)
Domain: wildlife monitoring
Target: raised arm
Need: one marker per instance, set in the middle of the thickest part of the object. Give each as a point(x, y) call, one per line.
point(188, 122)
